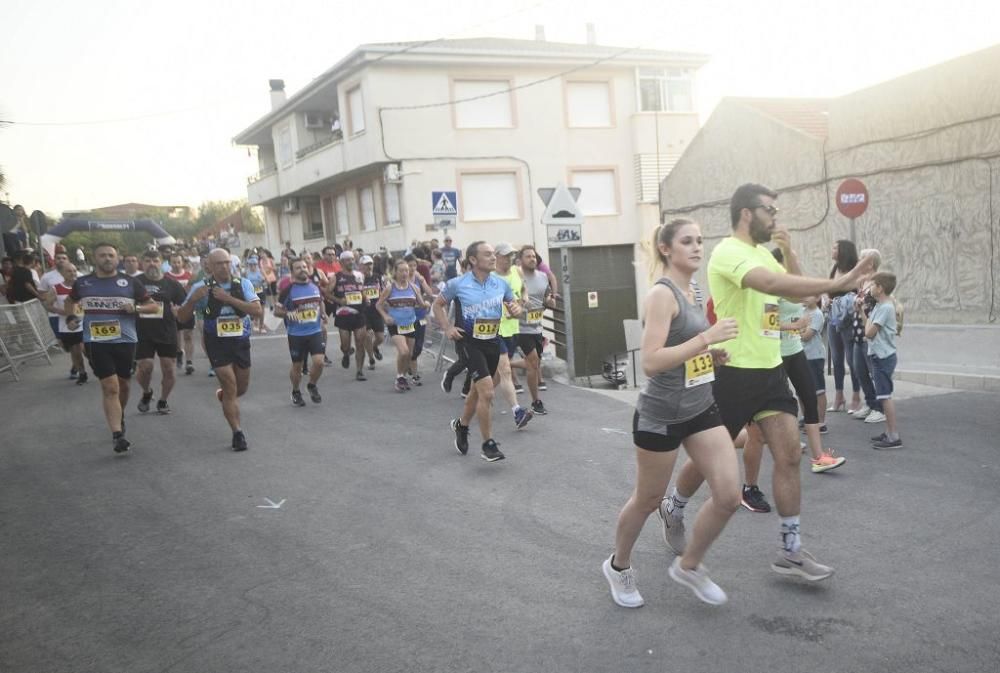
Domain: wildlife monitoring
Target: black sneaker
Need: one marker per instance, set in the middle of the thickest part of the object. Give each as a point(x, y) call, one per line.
point(446, 382)
point(313, 394)
point(888, 444)
point(240, 441)
point(461, 436)
point(491, 453)
point(162, 407)
point(539, 408)
point(823, 429)
point(754, 500)
point(345, 361)
point(542, 386)
point(371, 362)
point(297, 399)
point(518, 388)
point(880, 438)
point(360, 376)
point(378, 353)
point(81, 379)
point(415, 380)
point(144, 402)
point(73, 373)
point(466, 386)
point(189, 368)
point(120, 444)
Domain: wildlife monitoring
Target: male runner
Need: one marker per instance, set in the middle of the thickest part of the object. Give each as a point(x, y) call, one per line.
point(301, 305)
point(70, 338)
point(509, 327)
point(130, 264)
point(110, 301)
point(184, 329)
point(745, 281)
point(157, 333)
point(373, 286)
point(226, 305)
point(46, 288)
point(538, 297)
point(347, 292)
point(483, 296)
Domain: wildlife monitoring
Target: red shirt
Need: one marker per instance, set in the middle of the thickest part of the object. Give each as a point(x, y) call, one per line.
point(329, 268)
point(184, 278)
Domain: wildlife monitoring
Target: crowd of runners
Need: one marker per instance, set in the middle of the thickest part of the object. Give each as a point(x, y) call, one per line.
point(742, 371)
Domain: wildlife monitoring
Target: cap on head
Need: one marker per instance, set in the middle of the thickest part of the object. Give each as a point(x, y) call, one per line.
point(504, 249)
point(367, 260)
point(347, 254)
point(252, 259)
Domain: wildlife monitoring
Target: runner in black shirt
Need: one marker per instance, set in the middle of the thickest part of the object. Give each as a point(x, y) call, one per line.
point(157, 332)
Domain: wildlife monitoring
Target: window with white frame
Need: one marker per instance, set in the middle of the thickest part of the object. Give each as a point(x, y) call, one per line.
point(367, 197)
point(356, 110)
point(598, 191)
point(665, 90)
point(392, 215)
point(343, 219)
point(491, 107)
point(286, 154)
point(312, 221)
point(490, 196)
point(588, 104)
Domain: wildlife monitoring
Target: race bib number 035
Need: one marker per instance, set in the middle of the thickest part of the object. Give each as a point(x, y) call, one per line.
point(770, 326)
point(485, 329)
point(105, 330)
point(229, 327)
point(699, 370)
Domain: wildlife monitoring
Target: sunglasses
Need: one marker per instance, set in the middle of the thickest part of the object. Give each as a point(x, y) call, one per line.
point(770, 210)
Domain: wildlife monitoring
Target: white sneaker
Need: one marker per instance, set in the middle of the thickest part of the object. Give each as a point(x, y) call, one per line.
point(861, 413)
point(697, 581)
point(673, 529)
point(622, 584)
point(875, 417)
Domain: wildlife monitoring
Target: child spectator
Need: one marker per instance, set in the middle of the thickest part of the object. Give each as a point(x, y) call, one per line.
point(812, 343)
point(881, 331)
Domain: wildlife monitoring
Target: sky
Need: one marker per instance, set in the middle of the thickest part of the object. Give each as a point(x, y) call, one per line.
point(115, 101)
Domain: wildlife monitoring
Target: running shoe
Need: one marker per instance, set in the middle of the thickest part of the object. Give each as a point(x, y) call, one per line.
point(461, 436)
point(823, 429)
point(754, 500)
point(371, 363)
point(539, 408)
point(162, 407)
point(189, 368)
point(623, 590)
point(180, 359)
point(888, 444)
point(406, 383)
point(377, 352)
point(81, 379)
point(446, 381)
point(415, 380)
point(542, 385)
point(239, 441)
point(400, 384)
point(880, 438)
point(360, 376)
point(314, 393)
point(698, 581)
point(826, 462)
point(120, 444)
point(861, 412)
point(73, 373)
point(211, 371)
point(801, 564)
point(518, 388)
point(875, 417)
point(491, 452)
point(143, 405)
point(297, 400)
point(522, 416)
point(673, 529)
point(345, 361)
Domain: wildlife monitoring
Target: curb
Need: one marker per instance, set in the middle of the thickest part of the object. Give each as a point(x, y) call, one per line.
point(975, 382)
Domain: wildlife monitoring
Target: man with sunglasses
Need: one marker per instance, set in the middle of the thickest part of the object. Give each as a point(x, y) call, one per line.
point(745, 282)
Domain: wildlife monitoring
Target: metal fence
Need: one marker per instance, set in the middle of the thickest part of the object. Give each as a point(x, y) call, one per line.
point(25, 335)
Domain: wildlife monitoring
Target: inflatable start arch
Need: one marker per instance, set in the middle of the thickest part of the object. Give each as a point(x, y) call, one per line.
point(68, 226)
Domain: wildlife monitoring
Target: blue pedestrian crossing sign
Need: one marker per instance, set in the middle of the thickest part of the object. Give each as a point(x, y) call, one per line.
point(445, 203)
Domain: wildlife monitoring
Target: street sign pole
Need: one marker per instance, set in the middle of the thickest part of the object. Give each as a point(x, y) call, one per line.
point(563, 222)
point(568, 314)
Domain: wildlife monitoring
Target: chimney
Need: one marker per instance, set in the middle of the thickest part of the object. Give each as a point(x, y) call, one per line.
point(278, 97)
point(591, 34)
point(539, 32)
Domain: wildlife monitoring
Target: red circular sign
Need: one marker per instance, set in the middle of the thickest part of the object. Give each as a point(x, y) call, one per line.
point(852, 198)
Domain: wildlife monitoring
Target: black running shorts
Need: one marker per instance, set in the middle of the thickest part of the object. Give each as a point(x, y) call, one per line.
point(301, 346)
point(185, 325)
point(145, 350)
point(70, 339)
point(742, 395)
point(483, 357)
point(655, 436)
point(108, 360)
point(226, 351)
point(530, 343)
point(350, 322)
point(375, 322)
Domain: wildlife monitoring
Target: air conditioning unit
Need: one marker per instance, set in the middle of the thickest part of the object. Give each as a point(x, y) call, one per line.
point(392, 174)
point(317, 120)
point(291, 205)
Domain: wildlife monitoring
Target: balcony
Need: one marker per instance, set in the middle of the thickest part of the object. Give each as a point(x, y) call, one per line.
point(263, 186)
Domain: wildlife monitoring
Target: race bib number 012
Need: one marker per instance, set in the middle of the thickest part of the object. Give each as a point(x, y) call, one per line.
point(699, 370)
point(105, 330)
point(229, 327)
point(485, 329)
point(770, 327)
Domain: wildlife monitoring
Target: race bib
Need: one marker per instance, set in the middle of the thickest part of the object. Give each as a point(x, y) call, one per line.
point(371, 292)
point(699, 370)
point(354, 298)
point(157, 314)
point(423, 322)
point(229, 327)
point(405, 329)
point(484, 328)
point(259, 289)
point(105, 330)
point(770, 327)
point(305, 315)
point(534, 316)
point(78, 311)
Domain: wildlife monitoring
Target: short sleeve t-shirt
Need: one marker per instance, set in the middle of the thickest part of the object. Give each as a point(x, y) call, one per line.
point(758, 345)
point(814, 348)
point(104, 300)
point(884, 343)
point(211, 325)
point(304, 304)
point(511, 326)
point(160, 327)
point(62, 291)
point(481, 305)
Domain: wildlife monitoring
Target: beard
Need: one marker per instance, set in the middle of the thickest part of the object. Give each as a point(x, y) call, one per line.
point(154, 274)
point(760, 231)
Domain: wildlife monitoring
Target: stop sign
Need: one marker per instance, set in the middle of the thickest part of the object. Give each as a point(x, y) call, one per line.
point(852, 198)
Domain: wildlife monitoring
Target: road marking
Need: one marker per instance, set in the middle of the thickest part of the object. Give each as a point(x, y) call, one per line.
point(271, 505)
point(614, 431)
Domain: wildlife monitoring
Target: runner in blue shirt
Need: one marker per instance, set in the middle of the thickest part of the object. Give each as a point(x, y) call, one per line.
point(301, 305)
point(109, 300)
point(226, 305)
point(482, 297)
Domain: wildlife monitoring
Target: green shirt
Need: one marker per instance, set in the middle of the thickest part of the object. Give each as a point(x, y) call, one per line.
point(790, 311)
point(511, 326)
point(758, 345)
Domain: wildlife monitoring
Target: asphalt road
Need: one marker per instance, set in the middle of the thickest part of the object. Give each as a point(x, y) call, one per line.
point(391, 552)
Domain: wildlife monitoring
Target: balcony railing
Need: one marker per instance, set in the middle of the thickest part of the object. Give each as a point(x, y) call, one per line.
point(329, 140)
point(265, 172)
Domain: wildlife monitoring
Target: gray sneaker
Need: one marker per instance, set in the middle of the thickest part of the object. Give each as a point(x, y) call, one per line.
point(623, 590)
point(801, 564)
point(698, 581)
point(673, 529)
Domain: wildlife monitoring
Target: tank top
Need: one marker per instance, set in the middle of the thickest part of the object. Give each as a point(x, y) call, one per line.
point(401, 305)
point(665, 399)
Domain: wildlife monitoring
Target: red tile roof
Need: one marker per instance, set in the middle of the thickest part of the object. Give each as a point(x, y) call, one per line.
point(809, 115)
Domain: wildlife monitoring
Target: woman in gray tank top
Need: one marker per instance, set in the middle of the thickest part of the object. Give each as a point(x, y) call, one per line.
point(677, 406)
